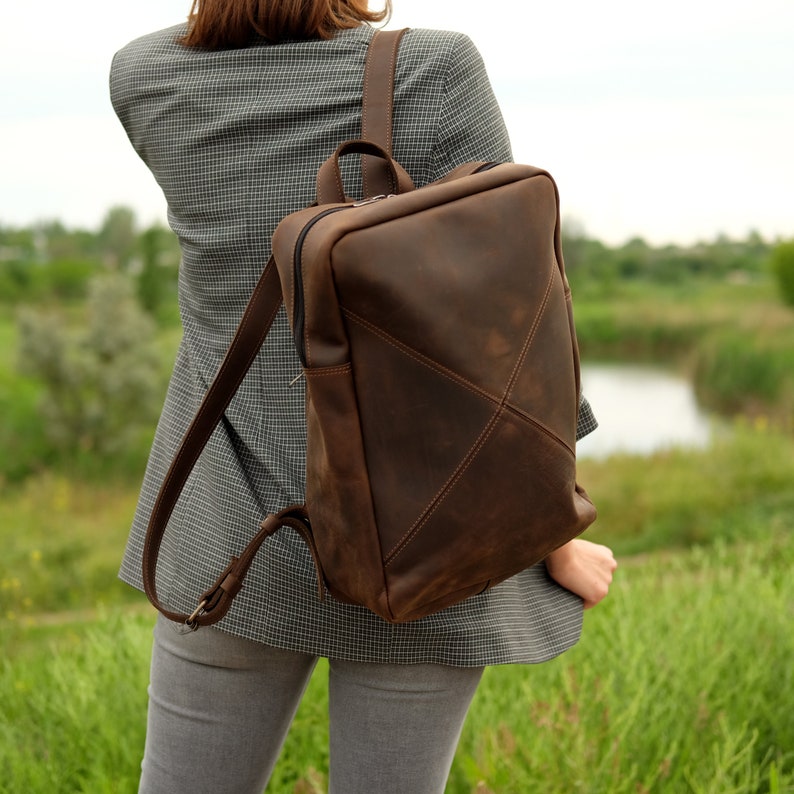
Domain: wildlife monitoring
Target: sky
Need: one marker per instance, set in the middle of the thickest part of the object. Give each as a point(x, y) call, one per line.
point(670, 121)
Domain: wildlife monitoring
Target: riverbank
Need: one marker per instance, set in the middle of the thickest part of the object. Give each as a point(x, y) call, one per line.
point(735, 341)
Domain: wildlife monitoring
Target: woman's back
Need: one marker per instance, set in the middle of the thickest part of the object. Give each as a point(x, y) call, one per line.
point(235, 138)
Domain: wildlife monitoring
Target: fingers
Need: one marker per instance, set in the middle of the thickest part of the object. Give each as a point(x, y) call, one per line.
point(584, 568)
point(601, 567)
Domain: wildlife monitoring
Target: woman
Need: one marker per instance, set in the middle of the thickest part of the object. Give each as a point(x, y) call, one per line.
point(233, 114)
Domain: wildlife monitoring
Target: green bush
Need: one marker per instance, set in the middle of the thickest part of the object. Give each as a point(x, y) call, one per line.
point(636, 330)
point(67, 279)
point(23, 444)
point(736, 372)
point(33, 282)
point(100, 382)
point(157, 280)
point(738, 488)
point(15, 280)
point(782, 263)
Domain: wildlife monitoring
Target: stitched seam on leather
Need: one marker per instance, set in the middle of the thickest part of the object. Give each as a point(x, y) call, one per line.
point(365, 176)
point(420, 358)
point(470, 455)
point(502, 404)
point(365, 110)
point(307, 348)
point(338, 176)
point(539, 425)
point(319, 373)
point(528, 343)
point(457, 379)
point(530, 337)
point(443, 491)
point(390, 106)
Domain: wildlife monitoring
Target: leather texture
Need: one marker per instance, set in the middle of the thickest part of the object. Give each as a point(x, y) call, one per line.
point(443, 386)
point(442, 378)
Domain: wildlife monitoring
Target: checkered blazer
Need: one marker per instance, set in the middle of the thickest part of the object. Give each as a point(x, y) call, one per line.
point(235, 138)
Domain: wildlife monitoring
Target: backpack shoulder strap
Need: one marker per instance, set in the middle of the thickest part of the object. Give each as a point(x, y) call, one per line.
point(250, 335)
point(377, 107)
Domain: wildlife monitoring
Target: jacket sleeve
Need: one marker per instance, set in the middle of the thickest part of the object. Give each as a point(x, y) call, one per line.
point(470, 125)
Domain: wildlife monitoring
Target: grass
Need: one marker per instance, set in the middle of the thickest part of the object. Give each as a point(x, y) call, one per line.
point(674, 688)
point(74, 709)
point(678, 685)
point(62, 540)
point(736, 341)
point(669, 316)
point(740, 488)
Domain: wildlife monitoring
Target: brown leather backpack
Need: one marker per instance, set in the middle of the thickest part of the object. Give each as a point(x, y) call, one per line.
point(442, 373)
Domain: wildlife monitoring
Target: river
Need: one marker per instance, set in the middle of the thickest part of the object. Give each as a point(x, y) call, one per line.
point(641, 409)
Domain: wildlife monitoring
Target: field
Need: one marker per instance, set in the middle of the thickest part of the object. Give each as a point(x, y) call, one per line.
point(682, 681)
point(679, 683)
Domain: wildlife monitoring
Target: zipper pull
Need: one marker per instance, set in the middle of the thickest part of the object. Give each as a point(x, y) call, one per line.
point(372, 200)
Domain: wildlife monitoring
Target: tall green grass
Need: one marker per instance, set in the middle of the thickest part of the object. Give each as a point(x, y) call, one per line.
point(643, 320)
point(734, 371)
point(678, 685)
point(73, 710)
point(681, 683)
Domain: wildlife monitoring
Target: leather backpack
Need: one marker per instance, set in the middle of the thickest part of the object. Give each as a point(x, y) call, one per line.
point(441, 369)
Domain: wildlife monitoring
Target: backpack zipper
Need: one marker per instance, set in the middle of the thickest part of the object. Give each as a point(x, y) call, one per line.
point(298, 313)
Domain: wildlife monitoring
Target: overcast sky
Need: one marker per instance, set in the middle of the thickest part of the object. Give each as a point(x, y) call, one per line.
point(674, 121)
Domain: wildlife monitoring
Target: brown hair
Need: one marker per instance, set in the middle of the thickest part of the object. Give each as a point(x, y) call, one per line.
point(224, 24)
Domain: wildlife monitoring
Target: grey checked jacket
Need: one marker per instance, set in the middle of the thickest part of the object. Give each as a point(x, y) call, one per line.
point(234, 138)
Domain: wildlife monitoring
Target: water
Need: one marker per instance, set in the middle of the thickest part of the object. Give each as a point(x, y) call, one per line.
point(641, 410)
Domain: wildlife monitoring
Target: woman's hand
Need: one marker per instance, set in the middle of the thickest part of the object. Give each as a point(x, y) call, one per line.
point(584, 568)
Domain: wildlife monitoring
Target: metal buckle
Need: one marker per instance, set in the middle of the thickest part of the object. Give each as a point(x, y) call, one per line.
point(191, 621)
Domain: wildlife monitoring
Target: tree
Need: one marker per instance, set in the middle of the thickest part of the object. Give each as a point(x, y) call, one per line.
point(101, 382)
point(117, 237)
point(159, 268)
point(782, 263)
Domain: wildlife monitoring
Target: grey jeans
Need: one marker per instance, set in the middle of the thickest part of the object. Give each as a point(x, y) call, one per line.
point(220, 708)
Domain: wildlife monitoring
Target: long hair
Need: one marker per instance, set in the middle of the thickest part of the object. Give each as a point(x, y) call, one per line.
point(226, 24)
